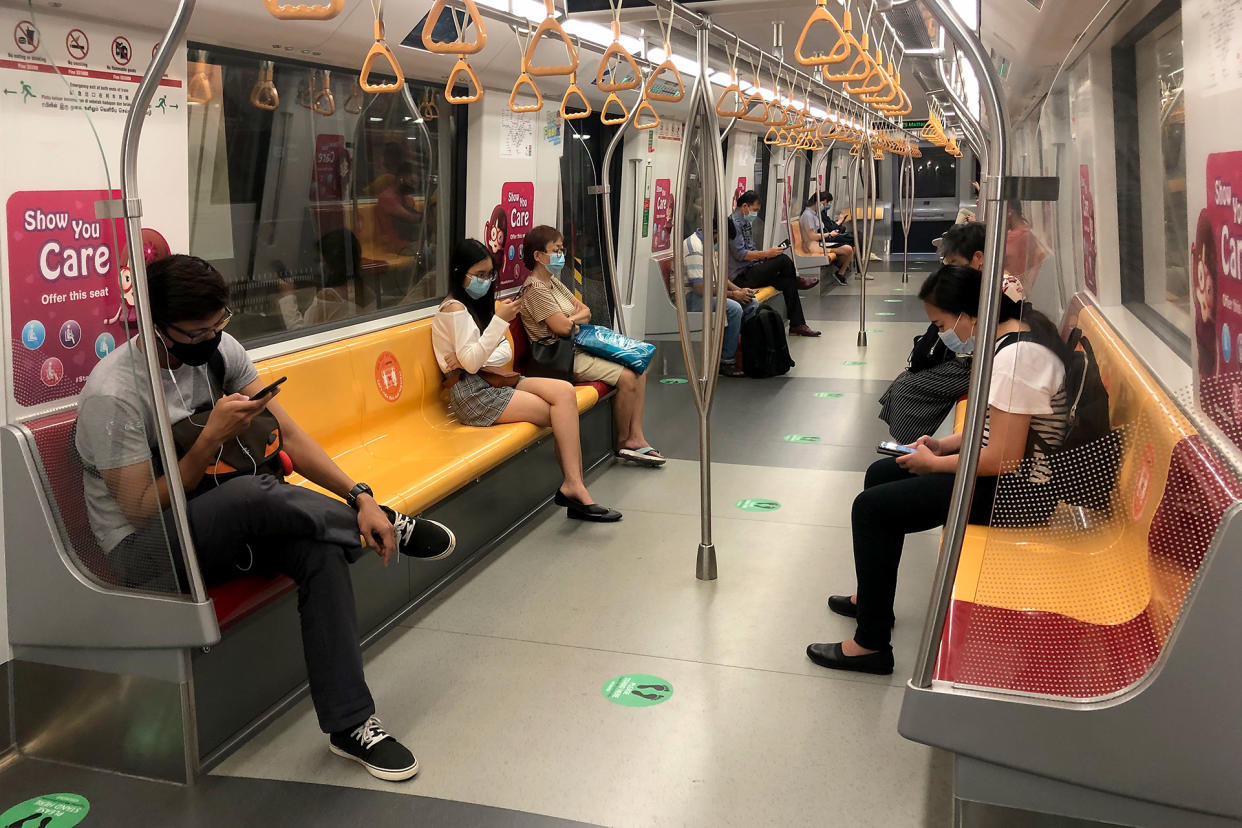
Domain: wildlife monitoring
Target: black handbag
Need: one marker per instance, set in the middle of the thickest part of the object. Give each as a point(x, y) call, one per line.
point(553, 360)
point(929, 351)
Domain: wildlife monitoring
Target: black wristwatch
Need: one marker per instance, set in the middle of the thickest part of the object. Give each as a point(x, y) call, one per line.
point(360, 489)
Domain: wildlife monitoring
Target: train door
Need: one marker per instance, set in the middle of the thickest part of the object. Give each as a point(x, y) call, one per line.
point(581, 221)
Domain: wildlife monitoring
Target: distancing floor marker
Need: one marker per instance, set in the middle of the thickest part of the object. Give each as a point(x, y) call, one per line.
point(638, 690)
point(57, 810)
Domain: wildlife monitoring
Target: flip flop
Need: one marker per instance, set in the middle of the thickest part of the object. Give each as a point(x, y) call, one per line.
point(645, 456)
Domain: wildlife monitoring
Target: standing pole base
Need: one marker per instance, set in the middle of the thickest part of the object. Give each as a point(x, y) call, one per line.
point(706, 569)
point(862, 339)
point(905, 278)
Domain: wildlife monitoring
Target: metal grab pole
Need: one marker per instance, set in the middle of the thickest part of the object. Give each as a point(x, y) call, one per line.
point(702, 121)
point(906, 206)
point(605, 192)
point(981, 368)
point(131, 211)
point(865, 226)
point(821, 161)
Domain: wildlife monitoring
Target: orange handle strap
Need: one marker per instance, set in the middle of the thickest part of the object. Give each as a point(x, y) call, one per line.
point(552, 25)
point(459, 46)
point(380, 50)
point(569, 93)
point(428, 109)
point(198, 90)
point(646, 107)
point(876, 79)
point(353, 104)
point(612, 120)
point(666, 66)
point(527, 80)
point(323, 102)
point(772, 137)
point(776, 115)
point(859, 69)
point(722, 108)
point(299, 11)
point(839, 52)
point(762, 115)
point(460, 68)
point(616, 50)
point(264, 95)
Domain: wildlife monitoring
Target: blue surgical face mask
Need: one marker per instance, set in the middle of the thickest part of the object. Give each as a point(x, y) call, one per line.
point(556, 263)
point(750, 218)
point(954, 342)
point(477, 288)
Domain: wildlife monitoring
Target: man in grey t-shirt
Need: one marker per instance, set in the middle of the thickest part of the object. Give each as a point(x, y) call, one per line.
point(249, 521)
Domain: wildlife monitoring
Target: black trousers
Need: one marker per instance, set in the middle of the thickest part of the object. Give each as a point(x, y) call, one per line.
point(780, 273)
point(892, 504)
point(262, 525)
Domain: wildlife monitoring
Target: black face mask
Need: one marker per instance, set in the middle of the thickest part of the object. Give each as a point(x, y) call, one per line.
point(197, 353)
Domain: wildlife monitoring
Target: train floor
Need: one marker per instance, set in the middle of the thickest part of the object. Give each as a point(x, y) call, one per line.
point(507, 684)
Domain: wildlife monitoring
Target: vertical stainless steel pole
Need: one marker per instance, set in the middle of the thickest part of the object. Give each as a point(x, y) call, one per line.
point(610, 252)
point(131, 212)
point(906, 205)
point(981, 369)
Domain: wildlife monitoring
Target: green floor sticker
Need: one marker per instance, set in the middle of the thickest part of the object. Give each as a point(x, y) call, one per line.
point(829, 395)
point(755, 504)
point(801, 438)
point(875, 330)
point(892, 300)
point(673, 381)
point(638, 690)
point(58, 810)
point(885, 313)
point(854, 363)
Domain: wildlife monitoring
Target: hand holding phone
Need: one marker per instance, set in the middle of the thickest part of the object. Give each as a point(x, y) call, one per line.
point(893, 449)
point(269, 390)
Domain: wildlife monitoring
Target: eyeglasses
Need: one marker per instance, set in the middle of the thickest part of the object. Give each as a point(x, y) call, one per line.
point(204, 334)
point(486, 275)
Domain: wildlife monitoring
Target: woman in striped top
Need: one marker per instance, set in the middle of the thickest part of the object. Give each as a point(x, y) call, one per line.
point(1026, 417)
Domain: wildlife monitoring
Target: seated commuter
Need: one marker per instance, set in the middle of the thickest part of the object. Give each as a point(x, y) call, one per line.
point(920, 398)
point(468, 335)
point(1026, 417)
point(740, 304)
point(1024, 255)
point(753, 268)
point(343, 295)
point(834, 222)
point(550, 311)
point(247, 522)
point(815, 233)
point(398, 213)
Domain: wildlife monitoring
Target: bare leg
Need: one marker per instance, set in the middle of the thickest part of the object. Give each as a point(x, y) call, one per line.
point(845, 256)
point(552, 402)
point(623, 408)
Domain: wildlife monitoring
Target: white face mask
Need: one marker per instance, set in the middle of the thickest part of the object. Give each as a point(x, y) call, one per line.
point(954, 342)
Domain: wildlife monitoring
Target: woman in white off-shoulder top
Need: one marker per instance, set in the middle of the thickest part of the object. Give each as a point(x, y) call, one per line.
point(468, 336)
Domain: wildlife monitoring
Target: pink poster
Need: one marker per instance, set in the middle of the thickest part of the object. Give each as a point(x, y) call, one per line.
point(662, 232)
point(65, 298)
point(331, 168)
point(739, 189)
point(1089, 253)
point(1216, 293)
point(506, 230)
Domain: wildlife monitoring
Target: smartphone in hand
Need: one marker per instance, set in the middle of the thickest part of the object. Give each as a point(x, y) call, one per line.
point(893, 449)
point(271, 389)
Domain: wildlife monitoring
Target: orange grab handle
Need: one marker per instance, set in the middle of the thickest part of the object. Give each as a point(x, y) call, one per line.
point(550, 24)
point(264, 94)
point(855, 72)
point(460, 47)
point(666, 66)
point(614, 51)
point(299, 11)
point(609, 120)
point(760, 117)
point(838, 53)
point(323, 102)
point(776, 115)
point(428, 110)
point(460, 68)
point(198, 90)
point(646, 106)
point(569, 93)
point(525, 79)
point(772, 137)
point(380, 50)
point(736, 112)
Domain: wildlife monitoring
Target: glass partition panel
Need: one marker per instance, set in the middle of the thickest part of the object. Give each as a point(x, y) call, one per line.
point(320, 203)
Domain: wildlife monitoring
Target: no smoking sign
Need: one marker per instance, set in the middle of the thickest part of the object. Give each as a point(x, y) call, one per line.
point(77, 44)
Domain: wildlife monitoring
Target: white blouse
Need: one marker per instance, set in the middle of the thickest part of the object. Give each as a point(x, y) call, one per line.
point(457, 342)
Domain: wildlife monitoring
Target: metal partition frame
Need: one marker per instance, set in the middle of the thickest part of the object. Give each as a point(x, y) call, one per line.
point(996, 159)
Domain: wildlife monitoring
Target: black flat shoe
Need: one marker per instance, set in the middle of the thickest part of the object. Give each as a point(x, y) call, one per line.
point(832, 657)
point(842, 605)
point(577, 510)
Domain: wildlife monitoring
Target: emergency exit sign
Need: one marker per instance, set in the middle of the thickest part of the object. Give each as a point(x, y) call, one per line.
point(913, 124)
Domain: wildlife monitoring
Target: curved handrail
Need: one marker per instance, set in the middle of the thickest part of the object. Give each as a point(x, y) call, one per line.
point(839, 52)
point(380, 50)
point(302, 11)
point(459, 46)
point(550, 25)
point(981, 369)
point(459, 68)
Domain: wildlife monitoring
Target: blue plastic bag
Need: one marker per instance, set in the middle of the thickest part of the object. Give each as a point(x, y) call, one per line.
point(614, 347)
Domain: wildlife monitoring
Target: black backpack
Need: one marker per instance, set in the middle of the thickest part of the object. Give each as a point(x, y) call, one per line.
point(1083, 471)
point(765, 353)
point(929, 351)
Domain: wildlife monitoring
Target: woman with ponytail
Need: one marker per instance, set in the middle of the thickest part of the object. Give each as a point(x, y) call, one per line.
point(1026, 398)
point(468, 337)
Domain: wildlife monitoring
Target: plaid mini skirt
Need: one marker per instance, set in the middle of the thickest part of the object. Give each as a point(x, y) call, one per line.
point(476, 402)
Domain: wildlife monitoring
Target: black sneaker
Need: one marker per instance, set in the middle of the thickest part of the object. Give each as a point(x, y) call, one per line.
point(372, 747)
point(841, 279)
point(420, 538)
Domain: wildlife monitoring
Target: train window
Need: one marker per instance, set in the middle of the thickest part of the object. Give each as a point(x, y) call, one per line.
point(1152, 194)
point(319, 202)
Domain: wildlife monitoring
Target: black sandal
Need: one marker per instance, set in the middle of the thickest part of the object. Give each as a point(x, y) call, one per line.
point(577, 510)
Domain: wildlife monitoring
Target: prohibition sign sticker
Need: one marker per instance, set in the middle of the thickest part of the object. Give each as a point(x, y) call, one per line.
point(77, 44)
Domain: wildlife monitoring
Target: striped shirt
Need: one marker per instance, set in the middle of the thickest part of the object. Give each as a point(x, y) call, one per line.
point(538, 301)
